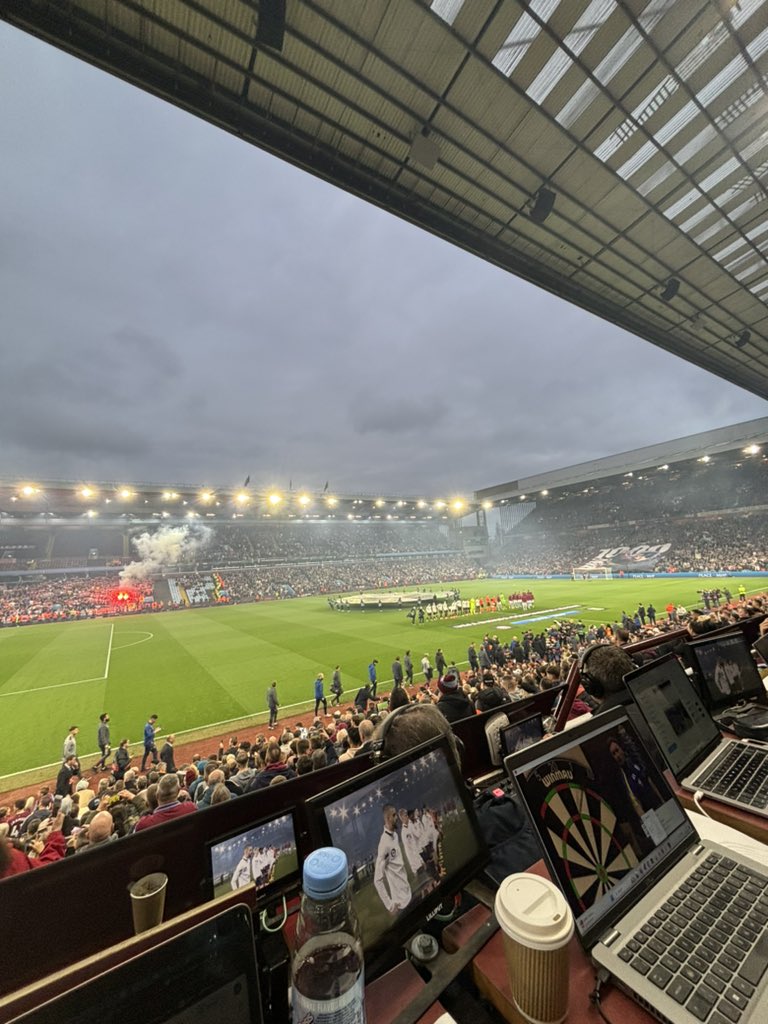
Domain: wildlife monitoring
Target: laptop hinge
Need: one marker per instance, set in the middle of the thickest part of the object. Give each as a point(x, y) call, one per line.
point(611, 937)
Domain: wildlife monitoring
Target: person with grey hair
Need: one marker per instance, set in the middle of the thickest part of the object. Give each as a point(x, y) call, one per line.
point(168, 804)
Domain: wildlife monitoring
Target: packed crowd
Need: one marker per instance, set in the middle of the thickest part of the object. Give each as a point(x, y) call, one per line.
point(724, 544)
point(63, 598)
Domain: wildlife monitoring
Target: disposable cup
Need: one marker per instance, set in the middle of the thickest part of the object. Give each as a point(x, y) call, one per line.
point(537, 926)
point(148, 901)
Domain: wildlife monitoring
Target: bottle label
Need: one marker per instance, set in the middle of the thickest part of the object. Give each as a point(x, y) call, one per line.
point(348, 1008)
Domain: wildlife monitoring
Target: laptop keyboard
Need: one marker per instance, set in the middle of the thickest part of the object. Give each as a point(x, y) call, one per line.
point(741, 774)
point(707, 946)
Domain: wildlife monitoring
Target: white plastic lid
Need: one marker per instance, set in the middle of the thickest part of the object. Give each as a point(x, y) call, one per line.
point(533, 911)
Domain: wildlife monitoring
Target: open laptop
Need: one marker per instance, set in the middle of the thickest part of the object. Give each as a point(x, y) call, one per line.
point(728, 673)
point(701, 759)
point(678, 923)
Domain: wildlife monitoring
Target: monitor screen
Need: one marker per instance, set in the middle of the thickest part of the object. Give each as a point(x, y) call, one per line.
point(606, 817)
point(521, 734)
point(206, 972)
point(408, 828)
point(727, 670)
point(263, 853)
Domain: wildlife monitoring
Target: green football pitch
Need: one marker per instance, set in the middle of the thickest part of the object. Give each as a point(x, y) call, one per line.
point(210, 667)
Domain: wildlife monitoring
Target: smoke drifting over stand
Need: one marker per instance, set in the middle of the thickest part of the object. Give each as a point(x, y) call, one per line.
point(170, 545)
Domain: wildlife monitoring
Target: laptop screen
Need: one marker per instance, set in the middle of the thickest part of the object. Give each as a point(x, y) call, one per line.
point(727, 670)
point(521, 734)
point(606, 818)
point(677, 719)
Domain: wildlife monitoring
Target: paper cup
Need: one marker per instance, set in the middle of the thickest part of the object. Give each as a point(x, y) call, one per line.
point(148, 901)
point(537, 925)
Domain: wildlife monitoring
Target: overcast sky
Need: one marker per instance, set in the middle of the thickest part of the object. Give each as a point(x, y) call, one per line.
point(179, 307)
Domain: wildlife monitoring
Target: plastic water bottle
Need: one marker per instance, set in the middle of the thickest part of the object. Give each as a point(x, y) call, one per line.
point(327, 974)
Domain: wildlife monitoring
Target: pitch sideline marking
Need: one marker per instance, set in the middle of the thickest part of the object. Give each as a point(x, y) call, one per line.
point(109, 650)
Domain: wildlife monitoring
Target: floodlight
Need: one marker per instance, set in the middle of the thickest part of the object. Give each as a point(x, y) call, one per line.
point(91, 513)
point(28, 490)
point(274, 499)
point(379, 503)
point(206, 496)
point(665, 466)
point(421, 503)
point(457, 505)
point(544, 493)
point(241, 498)
point(304, 500)
point(487, 505)
point(704, 458)
point(522, 497)
point(126, 492)
point(752, 449)
point(86, 492)
point(439, 504)
point(331, 502)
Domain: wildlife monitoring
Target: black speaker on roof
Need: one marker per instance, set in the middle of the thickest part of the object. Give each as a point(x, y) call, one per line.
point(671, 288)
point(742, 339)
point(543, 202)
point(270, 30)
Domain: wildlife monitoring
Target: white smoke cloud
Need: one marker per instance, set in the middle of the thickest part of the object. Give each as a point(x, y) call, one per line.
point(170, 545)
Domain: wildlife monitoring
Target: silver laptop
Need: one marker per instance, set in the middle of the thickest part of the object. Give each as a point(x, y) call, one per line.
point(701, 759)
point(678, 923)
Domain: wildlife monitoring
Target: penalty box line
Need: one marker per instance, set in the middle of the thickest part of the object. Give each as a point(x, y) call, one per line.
point(75, 682)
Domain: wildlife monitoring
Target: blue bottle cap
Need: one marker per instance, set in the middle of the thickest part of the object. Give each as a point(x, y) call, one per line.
point(325, 873)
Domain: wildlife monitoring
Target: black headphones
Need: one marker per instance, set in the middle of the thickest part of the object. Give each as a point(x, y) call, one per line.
point(592, 686)
point(378, 746)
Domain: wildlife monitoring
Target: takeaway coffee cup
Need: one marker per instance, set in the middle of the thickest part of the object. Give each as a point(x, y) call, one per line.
point(537, 926)
point(148, 901)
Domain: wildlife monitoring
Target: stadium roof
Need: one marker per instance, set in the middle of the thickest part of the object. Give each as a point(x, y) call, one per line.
point(738, 437)
point(613, 152)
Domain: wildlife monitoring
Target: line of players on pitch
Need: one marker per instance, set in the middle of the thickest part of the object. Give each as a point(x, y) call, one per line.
point(472, 606)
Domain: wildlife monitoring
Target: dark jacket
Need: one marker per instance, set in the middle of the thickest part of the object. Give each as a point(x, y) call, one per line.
point(455, 706)
point(491, 697)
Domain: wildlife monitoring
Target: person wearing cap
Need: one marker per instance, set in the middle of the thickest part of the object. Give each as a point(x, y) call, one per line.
point(320, 694)
point(453, 703)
